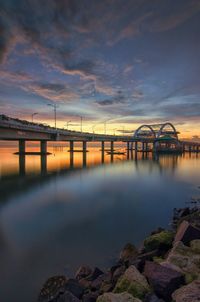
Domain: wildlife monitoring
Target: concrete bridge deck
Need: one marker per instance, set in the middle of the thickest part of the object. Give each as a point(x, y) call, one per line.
point(22, 131)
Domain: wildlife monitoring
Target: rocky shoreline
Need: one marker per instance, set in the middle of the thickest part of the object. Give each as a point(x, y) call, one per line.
point(166, 268)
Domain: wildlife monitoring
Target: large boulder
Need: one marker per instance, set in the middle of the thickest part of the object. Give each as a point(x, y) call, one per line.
point(188, 293)
point(186, 233)
point(162, 240)
point(185, 259)
point(128, 253)
point(122, 297)
point(163, 280)
point(133, 282)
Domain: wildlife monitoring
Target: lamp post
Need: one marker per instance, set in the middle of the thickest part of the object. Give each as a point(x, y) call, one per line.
point(68, 124)
point(81, 123)
point(114, 130)
point(105, 125)
point(32, 115)
point(55, 106)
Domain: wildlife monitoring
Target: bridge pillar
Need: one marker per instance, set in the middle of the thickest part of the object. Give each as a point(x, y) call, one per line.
point(136, 146)
point(84, 146)
point(190, 149)
point(102, 146)
point(43, 147)
point(146, 146)
point(143, 144)
point(71, 146)
point(128, 146)
point(22, 146)
point(112, 146)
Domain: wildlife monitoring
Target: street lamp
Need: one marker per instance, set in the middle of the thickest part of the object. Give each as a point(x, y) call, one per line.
point(114, 130)
point(81, 123)
point(55, 106)
point(32, 115)
point(68, 124)
point(105, 125)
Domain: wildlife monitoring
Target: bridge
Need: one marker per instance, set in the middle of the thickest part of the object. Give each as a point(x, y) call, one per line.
point(147, 138)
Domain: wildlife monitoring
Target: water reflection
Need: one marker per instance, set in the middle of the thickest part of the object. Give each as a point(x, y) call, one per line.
point(66, 209)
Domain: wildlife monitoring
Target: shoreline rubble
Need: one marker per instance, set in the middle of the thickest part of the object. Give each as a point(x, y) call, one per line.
point(165, 269)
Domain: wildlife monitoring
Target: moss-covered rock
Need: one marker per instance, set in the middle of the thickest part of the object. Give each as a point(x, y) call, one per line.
point(159, 240)
point(133, 282)
point(186, 259)
point(112, 297)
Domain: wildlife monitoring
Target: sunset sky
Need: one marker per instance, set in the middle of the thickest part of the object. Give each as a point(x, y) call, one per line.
point(125, 61)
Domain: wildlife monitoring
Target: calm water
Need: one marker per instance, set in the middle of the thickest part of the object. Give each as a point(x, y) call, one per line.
point(81, 212)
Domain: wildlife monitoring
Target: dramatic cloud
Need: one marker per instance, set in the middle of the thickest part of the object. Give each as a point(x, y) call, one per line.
point(126, 60)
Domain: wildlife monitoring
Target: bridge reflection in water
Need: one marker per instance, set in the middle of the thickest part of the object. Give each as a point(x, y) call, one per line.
point(80, 160)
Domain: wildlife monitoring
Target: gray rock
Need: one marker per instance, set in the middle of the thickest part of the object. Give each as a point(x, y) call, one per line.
point(118, 273)
point(123, 297)
point(67, 297)
point(95, 274)
point(83, 272)
point(186, 233)
point(90, 297)
point(53, 287)
point(163, 280)
point(188, 293)
point(185, 259)
point(74, 287)
point(101, 280)
point(152, 298)
point(128, 253)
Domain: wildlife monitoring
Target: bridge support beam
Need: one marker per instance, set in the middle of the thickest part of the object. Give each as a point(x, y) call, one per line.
point(22, 146)
point(71, 146)
point(143, 149)
point(136, 146)
point(111, 146)
point(128, 146)
point(84, 146)
point(102, 146)
point(43, 147)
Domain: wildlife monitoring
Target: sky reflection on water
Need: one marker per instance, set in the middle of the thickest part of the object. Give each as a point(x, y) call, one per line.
point(55, 222)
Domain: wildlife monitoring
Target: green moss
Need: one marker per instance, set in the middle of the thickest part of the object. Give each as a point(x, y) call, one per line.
point(158, 259)
point(133, 288)
point(155, 241)
point(195, 245)
point(189, 277)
